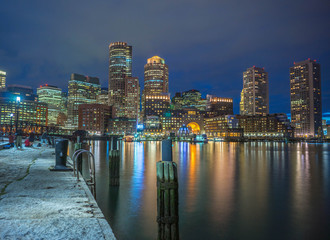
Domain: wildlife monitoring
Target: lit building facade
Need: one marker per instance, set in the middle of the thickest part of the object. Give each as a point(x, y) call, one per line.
point(82, 89)
point(2, 80)
point(120, 67)
point(241, 104)
point(155, 97)
point(224, 127)
point(155, 76)
point(177, 101)
point(305, 93)
point(217, 106)
point(51, 95)
point(193, 99)
point(121, 126)
point(132, 97)
point(189, 99)
point(270, 126)
point(255, 99)
point(193, 119)
point(19, 106)
point(156, 105)
point(94, 118)
point(103, 97)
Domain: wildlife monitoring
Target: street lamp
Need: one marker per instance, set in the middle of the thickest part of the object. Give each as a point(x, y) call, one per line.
point(18, 100)
point(11, 121)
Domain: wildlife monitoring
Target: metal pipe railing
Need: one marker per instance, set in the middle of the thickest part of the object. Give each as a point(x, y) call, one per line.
point(91, 166)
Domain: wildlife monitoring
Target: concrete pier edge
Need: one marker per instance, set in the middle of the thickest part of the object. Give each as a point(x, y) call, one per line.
point(39, 204)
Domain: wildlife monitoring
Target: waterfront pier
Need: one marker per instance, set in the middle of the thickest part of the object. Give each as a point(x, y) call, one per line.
point(36, 203)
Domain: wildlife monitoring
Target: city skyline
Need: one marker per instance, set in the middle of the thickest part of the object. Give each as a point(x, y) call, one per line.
point(198, 58)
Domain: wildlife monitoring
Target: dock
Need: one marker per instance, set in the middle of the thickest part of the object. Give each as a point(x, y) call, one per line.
point(36, 203)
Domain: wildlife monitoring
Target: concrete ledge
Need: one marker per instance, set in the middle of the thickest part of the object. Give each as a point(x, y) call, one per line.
point(40, 204)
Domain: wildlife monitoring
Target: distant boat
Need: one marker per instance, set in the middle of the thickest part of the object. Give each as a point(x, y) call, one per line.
point(218, 139)
point(128, 138)
point(200, 138)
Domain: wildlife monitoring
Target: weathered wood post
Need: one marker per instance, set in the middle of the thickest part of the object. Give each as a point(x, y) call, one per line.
point(114, 162)
point(167, 195)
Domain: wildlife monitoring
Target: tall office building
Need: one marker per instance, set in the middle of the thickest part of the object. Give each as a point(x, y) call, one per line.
point(305, 92)
point(241, 104)
point(20, 107)
point(2, 79)
point(155, 76)
point(82, 89)
point(255, 99)
point(132, 97)
point(155, 93)
point(51, 95)
point(120, 67)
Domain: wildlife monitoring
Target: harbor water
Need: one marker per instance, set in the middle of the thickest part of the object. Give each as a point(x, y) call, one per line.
point(227, 190)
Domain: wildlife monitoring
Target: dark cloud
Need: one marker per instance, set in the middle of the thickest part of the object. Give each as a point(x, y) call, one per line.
point(207, 44)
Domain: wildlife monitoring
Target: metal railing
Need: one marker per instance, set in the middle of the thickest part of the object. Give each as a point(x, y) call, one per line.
point(91, 167)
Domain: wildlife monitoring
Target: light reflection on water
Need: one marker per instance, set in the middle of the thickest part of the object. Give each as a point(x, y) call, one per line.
point(226, 190)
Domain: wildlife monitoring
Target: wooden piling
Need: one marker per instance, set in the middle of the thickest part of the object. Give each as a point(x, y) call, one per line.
point(114, 163)
point(167, 196)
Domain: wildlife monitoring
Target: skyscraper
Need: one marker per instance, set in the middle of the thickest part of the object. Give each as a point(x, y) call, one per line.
point(51, 95)
point(241, 104)
point(132, 97)
point(155, 93)
point(155, 76)
point(81, 90)
point(120, 67)
point(2, 79)
point(255, 92)
point(305, 92)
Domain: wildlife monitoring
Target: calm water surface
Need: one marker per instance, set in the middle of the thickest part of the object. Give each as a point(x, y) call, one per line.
point(226, 190)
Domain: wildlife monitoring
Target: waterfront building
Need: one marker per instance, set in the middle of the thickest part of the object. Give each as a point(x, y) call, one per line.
point(156, 104)
point(103, 97)
point(155, 97)
point(172, 121)
point(255, 99)
point(193, 119)
point(305, 92)
point(152, 127)
point(2, 80)
point(224, 127)
point(132, 97)
point(82, 89)
point(94, 118)
point(19, 107)
point(219, 106)
point(51, 95)
point(270, 126)
point(120, 67)
point(121, 126)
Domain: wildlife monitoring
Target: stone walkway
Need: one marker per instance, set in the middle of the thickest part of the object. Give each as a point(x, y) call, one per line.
point(36, 203)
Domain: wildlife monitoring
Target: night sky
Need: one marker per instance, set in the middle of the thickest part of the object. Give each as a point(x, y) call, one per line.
point(207, 44)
